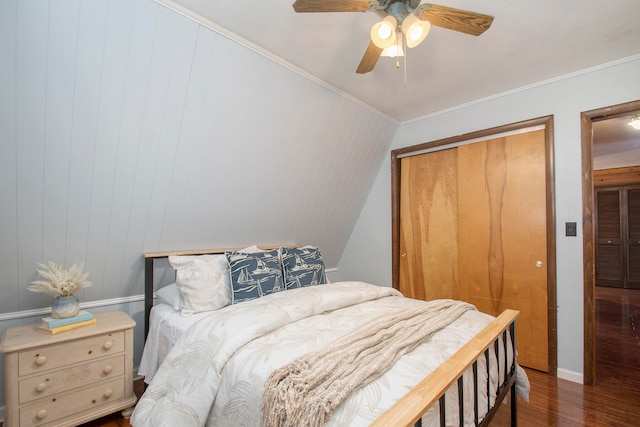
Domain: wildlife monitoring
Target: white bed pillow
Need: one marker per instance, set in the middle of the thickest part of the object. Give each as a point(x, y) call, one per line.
point(169, 295)
point(252, 249)
point(203, 282)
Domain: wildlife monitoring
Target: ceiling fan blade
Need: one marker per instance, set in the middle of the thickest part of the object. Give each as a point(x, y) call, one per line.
point(369, 59)
point(456, 19)
point(331, 5)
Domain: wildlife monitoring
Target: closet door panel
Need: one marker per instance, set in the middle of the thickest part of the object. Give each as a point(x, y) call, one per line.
point(609, 242)
point(502, 229)
point(428, 264)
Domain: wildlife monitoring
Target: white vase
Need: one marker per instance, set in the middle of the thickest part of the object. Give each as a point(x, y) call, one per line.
point(65, 307)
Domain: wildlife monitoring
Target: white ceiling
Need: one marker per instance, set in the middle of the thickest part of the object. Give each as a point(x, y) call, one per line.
point(529, 42)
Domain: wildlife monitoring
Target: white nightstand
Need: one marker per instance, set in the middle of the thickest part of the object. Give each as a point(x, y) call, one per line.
point(71, 377)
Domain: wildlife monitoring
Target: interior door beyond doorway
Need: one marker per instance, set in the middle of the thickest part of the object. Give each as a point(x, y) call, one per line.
point(617, 229)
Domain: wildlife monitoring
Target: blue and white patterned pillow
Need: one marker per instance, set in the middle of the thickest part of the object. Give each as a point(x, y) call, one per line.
point(302, 267)
point(254, 274)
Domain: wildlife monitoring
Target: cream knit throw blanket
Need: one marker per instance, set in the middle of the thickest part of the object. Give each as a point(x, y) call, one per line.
point(307, 391)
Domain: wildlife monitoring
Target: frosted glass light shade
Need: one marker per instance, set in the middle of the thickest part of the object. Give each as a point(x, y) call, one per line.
point(634, 122)
point(393, 51)
point(415, 30)
point(383, 34)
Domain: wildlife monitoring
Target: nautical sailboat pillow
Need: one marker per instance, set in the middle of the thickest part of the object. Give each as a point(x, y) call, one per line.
point(302, 267)
point(254, 274)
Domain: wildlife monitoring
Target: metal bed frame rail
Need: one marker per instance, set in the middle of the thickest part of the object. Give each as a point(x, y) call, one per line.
point(508, 385)
point(408, 411)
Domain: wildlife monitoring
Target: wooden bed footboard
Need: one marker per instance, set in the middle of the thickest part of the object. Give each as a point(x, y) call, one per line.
point(408, 411)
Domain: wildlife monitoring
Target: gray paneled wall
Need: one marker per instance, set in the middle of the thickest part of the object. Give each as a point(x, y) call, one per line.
point(127, 128)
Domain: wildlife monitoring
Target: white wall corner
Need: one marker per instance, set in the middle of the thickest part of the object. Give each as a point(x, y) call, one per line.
point(575, 377)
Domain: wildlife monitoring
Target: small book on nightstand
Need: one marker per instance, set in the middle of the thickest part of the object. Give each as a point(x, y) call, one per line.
point(68, 327)
point(54, 326)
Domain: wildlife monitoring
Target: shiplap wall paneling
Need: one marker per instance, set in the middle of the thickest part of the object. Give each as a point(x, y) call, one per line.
point(368, 154)
point(332, 168)
point(126, 221)
point(361, 134)
point(82, 156)
point(171, 96)
point(168, 77)
point(116, 37)
point(129, 128)
point(8, 155)
point(31, 67)
point(62, 40)
point(195, 149)
point(184, 174)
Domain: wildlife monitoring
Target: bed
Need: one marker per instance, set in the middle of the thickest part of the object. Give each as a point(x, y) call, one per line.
point(241, 363)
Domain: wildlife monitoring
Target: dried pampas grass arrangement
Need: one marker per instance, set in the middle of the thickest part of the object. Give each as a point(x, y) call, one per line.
point(58, 281)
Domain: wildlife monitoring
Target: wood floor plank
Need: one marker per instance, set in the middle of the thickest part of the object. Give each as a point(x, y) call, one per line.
point(615, 398)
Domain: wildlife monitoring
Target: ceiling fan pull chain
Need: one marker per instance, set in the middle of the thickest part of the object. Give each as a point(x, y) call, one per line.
point(406, 53)
point(398, 47)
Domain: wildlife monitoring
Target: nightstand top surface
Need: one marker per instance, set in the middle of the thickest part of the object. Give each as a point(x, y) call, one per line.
point(26, 336)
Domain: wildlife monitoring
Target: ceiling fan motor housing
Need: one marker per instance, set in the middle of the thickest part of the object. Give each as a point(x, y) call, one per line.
point(398, 10)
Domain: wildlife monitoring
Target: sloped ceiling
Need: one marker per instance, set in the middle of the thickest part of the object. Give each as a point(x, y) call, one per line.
point(529, 42)
point(128, 128)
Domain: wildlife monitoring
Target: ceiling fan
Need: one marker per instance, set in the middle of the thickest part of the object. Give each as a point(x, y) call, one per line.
point(405, 23)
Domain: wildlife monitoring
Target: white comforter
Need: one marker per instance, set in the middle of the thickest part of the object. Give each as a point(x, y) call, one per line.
point(215, 373)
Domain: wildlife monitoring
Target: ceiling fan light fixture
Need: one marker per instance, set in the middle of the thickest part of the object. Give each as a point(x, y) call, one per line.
point(393, 51)
point(415, 30)
point(383, 33)
point(634, 121)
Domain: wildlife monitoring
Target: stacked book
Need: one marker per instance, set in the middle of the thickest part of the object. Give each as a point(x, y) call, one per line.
point(55, 326)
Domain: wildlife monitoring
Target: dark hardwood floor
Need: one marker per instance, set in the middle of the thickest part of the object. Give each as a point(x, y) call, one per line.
point(613, 401)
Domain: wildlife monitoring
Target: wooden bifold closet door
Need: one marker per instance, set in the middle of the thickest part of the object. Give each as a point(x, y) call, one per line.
point(618, 237)
point(473, 226)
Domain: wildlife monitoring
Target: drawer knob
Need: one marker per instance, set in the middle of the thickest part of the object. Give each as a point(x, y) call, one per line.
point(41, 387)
point(41, 414)
point(107, 369)
point(41, 360)
point(108, 345)
point(108, 392)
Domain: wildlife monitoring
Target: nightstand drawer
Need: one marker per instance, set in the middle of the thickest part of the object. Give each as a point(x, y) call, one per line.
point(68, 378)
point(58, 355)
point(58, 406)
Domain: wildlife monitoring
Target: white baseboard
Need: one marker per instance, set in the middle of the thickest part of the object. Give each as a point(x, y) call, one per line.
point(570, 376)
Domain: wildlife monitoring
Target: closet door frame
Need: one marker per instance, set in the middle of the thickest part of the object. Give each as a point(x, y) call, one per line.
point(547, 123)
